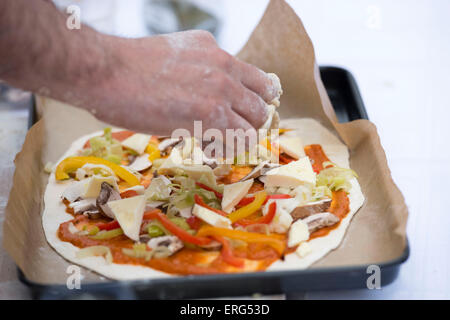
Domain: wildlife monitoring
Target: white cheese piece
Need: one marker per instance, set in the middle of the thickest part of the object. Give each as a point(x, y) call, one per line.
point(257, 155)
point(201, 173)
point(76, 190)
point(282, 219)
point(293, 174)
point(292, 146)
point(140, 163)
point(174, 164)
point(129, 213)
point(49, 167)
point(138, 188)
point(137, 142)
point(186, 212)
point(73, 229)
point(233, 193)
point(174, 160)
point(84, 205)
point(298, 233)
point(191, 152)
point(222, 170)
point(94, 185)
point(211, 217)
point(303, 249)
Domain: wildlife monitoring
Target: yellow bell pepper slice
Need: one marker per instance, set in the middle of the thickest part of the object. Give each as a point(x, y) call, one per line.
point(73, 163)
point(277, 242)
point(249, 209)
point(153, 151)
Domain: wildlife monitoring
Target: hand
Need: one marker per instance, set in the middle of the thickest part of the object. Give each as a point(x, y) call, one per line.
point(162, 83)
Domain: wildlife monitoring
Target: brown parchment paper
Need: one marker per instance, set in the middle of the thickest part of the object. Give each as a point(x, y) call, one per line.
point(278, 44)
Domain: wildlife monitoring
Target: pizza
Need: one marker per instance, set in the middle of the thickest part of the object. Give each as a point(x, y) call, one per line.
point(129, 205)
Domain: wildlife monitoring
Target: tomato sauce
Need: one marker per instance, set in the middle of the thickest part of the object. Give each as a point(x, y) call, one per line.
point(193, 260)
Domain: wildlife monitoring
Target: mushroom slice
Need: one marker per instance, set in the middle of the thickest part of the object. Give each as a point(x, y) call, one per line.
point(167, 143)
point(84, 206)
point(171, 242)
point(311, 208)
point(256, 172)
point(320, 220)
point(140, 163)
point(260, 170)
point(107, 193)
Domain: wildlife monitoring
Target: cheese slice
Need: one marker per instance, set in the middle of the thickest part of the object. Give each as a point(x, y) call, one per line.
point(76, 190)
point(137, 142)
point(292, 146)
point(233, 193)
point(128, 213)
point(292, 175)
point(210, 217)
point(282, 219)
point(303, 249)
point(94, 185)
point(174, 160)
point(298, 233)
point(174, 164)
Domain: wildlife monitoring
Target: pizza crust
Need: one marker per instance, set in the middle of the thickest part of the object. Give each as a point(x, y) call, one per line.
point(311, 132)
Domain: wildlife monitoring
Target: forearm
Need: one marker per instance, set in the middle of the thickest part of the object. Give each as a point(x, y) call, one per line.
point(39, 53)
point(152, 84)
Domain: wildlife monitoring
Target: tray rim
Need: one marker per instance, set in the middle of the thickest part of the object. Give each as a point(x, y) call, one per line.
point(318, 271)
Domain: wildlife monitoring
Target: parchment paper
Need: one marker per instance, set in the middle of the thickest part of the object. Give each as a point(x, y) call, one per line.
point(279, 44)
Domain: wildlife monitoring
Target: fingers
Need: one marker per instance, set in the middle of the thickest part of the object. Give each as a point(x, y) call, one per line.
point(250, 106)
point(241, 139)
point(267, 86)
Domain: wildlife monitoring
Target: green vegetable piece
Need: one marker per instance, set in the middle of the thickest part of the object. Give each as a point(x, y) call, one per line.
point(154, 231)
point(180, 222)
point(104, 235)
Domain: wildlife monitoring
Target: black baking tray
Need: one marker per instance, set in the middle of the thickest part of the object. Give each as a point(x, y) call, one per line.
point(346, 99)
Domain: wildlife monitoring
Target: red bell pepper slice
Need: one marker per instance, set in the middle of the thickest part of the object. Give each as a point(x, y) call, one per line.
point(200, 202)
point(109, 225)
point(204, 186)
point(194, 222)
point(227, 253)
point(128, 194)
point(263, 220)
point(286, 159)
point(183, 235)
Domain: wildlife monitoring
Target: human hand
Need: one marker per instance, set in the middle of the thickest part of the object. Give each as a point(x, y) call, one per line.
point(162, 83)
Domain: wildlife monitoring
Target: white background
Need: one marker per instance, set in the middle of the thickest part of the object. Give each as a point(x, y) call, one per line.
point(398, 52)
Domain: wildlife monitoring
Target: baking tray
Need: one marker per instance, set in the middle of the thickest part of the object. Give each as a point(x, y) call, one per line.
point(346, 99)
